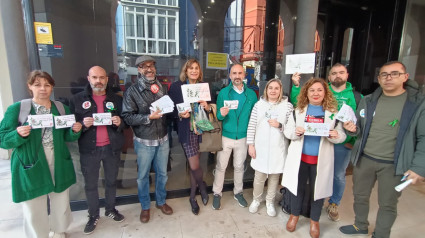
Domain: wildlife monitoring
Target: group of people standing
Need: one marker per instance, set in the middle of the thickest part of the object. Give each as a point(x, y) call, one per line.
point(271, 130)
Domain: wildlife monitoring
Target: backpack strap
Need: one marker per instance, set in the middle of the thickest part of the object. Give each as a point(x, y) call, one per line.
point(60, 107)
point(24, 111)
point(357, 97)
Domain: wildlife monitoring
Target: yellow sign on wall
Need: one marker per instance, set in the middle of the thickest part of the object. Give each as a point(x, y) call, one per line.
point(43, 33)
point(217, 60)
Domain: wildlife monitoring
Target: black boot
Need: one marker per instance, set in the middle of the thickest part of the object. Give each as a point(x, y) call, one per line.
point(204, 194)
point(194, 205)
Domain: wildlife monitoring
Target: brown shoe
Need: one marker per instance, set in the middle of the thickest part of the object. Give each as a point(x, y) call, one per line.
point(145, 216)
point(314, 229)
point(292, 223)
point(167, 210)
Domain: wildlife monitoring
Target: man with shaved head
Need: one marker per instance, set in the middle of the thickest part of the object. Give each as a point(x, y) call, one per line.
point(99, 143)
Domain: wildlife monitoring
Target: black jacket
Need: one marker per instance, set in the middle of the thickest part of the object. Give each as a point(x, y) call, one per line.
point(137, 100)
point(87, 141)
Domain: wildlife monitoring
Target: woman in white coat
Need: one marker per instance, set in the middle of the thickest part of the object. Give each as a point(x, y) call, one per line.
point(266, 143)
point(311, 158)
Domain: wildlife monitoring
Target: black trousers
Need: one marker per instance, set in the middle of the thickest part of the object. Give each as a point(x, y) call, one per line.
point(90, 165)
point(307, 173)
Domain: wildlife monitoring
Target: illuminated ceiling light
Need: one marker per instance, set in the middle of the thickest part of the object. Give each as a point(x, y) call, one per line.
point(212, 1)
point(199, 21)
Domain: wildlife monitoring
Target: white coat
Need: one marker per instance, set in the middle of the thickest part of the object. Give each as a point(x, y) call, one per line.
point(270, 143)
point(325, 164)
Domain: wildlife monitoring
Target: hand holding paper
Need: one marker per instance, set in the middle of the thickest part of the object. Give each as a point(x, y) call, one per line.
point(102, 119)
point(40, 121)
point(316, 129)
point(231, 104)
point(164, 104)
point(346, 113)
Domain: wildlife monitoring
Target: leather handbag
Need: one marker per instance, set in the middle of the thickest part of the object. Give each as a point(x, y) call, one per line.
point(211, 140)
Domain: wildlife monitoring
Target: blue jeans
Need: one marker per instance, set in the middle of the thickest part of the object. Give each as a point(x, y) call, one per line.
point(145, 156)
point(342, 158)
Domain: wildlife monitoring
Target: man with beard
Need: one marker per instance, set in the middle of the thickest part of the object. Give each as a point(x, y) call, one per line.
point(99, 143)
point(235, 126)
point(151, 136)
point(344, 94)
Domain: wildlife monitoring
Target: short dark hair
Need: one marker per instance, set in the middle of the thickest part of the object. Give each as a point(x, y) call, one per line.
point(40, 74)
point(339, 65)
point(394, 62)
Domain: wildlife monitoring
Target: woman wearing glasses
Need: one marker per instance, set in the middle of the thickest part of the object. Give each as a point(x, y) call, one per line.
point(41, 164)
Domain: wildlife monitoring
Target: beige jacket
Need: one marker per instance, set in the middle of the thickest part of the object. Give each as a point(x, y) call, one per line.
point(325, 165)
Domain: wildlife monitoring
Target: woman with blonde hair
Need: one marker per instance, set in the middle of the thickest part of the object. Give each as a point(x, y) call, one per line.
point(189, 137)
point(311, 157)
point(267, 145)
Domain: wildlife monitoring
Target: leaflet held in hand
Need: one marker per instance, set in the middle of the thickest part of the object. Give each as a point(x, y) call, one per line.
point(102, 119)
point(231, 104)
point(64, 121)
point(346, 113)
point(40, 121)
point(164, 104)
point(316, 129)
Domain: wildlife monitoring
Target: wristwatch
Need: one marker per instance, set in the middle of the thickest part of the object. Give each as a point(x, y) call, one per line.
point(280, 125)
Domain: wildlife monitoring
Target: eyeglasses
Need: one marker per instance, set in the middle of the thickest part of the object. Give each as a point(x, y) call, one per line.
point(393, 75)
point(146, 67)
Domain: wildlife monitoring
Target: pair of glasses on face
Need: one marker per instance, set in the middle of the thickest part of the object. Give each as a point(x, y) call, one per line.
point(146, 67)
point(394, 74)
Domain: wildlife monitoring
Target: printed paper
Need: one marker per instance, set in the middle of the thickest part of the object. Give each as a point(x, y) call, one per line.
point(182, 107)
point(64, 121)
point(102, 119)
point(165, 104)
point(40, 121)
point(231, 104)
point(346, 113)
point(195, 92)
point(301, 63)
point(316, 129)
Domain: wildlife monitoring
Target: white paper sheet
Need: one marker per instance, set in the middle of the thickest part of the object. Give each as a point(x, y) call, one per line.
point(40, 121)
point(195, 92)
point(231, 104)
point(301, 63)
point(64, 121)
point(165, 104)
point(346, 113)
point(182, 107)
point(316, 129)
point(102, 119)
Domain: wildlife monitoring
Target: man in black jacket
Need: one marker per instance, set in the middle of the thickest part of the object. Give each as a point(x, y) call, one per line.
point(99, 143)
point(151, 138)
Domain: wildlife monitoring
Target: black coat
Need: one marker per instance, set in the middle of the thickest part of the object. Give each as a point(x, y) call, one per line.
point(137, 100)
point(87, 141)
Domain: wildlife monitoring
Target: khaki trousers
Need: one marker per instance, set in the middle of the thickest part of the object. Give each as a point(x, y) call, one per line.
point(365, 175)
point(259, 180)
point(37, 223)
point(240, 149)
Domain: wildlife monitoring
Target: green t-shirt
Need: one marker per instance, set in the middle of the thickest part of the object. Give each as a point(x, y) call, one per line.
point(385, 125)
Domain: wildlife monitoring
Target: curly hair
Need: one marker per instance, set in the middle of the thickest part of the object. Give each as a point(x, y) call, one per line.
point(267, 86)
point(329, 102)
point(187, 65)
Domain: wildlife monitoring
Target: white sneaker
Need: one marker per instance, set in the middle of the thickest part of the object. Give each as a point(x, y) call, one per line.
point(59, 235)
point(270, 209)
point(253, 208)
